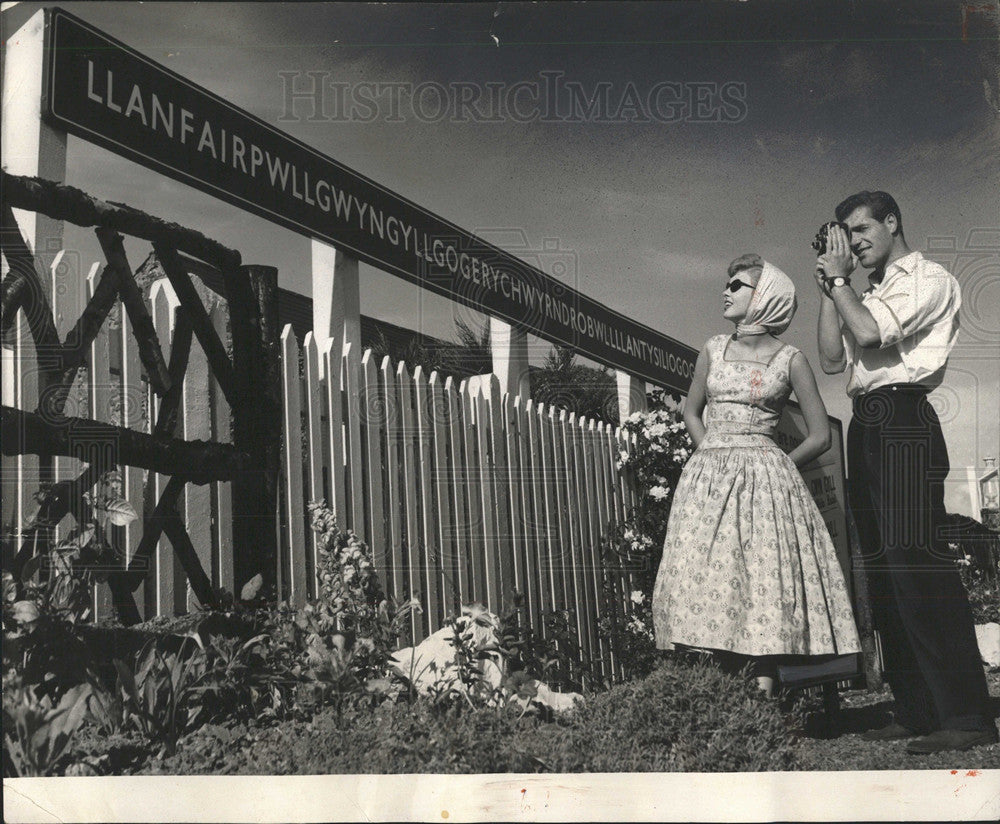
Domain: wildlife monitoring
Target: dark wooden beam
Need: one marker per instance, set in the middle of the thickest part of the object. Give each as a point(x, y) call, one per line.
point(62, 202)
point(200, 462)
point(253, 315)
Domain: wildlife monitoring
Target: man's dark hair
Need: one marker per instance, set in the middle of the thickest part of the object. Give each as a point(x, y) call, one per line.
point(744, 263)
point(880, 204)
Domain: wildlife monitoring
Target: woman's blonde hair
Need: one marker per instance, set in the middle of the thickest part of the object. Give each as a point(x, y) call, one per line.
point(746, 263)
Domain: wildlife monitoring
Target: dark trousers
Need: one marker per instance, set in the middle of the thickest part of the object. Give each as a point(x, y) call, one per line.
point(897, 462)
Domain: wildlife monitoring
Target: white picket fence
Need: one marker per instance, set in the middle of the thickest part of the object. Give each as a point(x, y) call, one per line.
point(464, 494)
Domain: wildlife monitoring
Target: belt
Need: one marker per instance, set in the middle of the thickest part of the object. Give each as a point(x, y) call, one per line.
point(896, 387)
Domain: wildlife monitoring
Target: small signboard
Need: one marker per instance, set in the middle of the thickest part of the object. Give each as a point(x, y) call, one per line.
point(109, 94)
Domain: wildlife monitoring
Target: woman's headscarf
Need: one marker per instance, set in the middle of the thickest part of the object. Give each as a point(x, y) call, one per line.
point(772, 305)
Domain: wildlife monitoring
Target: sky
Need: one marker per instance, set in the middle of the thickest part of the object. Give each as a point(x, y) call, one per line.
point(806, 104)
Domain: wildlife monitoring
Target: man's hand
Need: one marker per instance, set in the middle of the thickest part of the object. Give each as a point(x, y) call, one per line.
point(839, 260)
point(820, 275)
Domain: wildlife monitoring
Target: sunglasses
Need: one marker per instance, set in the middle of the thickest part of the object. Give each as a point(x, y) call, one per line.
point(736, 285)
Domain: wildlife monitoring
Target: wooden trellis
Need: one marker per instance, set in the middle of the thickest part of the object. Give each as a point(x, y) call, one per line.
point(250, 382)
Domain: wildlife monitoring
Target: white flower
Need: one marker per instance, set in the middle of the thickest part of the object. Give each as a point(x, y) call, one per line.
point(659, 492)
point(637, 596)
point(655, 431)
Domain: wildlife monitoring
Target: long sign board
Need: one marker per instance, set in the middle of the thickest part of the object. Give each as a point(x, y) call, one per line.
point(107, 93)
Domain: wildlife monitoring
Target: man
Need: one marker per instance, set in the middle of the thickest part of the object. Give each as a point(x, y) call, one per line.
point(894, 339)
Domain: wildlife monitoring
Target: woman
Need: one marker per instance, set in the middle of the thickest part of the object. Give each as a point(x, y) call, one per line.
point(748, 566)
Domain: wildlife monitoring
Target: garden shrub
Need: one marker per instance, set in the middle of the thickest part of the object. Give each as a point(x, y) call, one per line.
point(683, 717)
point(631, 553)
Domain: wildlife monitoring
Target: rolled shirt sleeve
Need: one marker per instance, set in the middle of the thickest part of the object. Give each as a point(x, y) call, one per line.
point(912, 301)
point(916, 309)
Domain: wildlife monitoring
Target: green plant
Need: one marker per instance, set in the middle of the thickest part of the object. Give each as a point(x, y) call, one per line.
point(566, 384)
point(160, 692)
point(631, 555)
point(553, 655)
point(38, 731)
point(983, 587)
point(351, 600)
point(237, 683)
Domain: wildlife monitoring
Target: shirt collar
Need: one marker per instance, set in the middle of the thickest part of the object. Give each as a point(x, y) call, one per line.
point(908, 262)
point(905, 264)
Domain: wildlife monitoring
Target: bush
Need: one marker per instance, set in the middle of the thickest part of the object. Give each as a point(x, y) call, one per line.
point(631, 555)
point(682, 718)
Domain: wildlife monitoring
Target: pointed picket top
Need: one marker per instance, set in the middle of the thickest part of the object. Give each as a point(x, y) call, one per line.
point(162, 290)
point(288, 338)
point(92, 279)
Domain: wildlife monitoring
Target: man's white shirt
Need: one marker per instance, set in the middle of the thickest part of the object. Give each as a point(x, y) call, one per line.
point(916, 310)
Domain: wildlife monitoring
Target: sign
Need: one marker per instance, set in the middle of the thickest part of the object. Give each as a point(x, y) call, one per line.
point(824, 477)
point(107, 93)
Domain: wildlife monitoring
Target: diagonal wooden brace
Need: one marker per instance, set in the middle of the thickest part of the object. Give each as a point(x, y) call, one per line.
point(218, 359)
point(142, 324)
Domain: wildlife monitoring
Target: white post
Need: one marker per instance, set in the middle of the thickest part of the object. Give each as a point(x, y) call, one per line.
point(336, 300)
point(631, 394)
point(337, 325)
point(509, 345)
point(30, 147)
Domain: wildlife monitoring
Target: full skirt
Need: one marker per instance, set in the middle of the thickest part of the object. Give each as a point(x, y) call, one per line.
point(748, 564)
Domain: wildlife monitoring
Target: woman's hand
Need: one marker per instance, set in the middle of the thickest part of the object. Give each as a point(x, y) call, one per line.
point(817, 441)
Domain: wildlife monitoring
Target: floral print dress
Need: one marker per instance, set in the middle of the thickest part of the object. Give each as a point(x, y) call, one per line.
point(748, 564)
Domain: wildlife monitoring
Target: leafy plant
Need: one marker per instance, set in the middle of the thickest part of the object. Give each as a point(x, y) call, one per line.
point(160, 693)
point(37, 730)
point(661, 448)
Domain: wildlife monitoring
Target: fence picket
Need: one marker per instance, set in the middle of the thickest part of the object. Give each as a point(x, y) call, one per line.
point(164, 308)
point(335, 434)
point(197, 498)
point(222, 565)
point(577, 529)
point(591, 578)
point(511, 429)
point(548, 479)
point(410, 471)
point(487, 492)
point(474, 525)
point(457, 487)
point(293, 528)
point(430, 549)
point(314, 491)
point(529, 527)
point(538, 527)
point(353, 470)
point(441, 422)
point(100, 398)
point(396, 578)
point(372, 439)
point(135, 415)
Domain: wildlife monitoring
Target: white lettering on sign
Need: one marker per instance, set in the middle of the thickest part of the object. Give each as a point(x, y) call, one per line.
point(128, 99)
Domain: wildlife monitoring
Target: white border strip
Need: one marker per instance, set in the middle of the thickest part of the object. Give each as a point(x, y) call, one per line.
point(912, 795)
